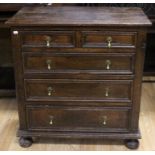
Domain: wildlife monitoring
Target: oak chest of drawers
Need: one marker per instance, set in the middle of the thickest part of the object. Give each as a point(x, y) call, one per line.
point(78, 72)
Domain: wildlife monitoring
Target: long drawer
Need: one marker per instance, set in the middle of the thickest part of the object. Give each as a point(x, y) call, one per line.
point(78, 119)
point(55, 62)
point(60, 90)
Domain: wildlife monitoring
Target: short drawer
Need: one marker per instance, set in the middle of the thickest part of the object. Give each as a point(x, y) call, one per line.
point(103, 63)
point(78, 119)
point(48, 38)
point(109, 39)
point(63, 90)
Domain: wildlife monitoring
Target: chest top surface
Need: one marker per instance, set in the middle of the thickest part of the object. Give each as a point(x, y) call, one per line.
point(79, 16)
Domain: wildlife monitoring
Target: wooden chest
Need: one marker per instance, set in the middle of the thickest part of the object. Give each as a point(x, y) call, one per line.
point(78, 72)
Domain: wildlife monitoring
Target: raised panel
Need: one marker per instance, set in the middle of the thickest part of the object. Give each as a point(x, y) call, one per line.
point(48, 39)
point(60, 90)
point(70, 63)
point(100, 39)
point(78, 119)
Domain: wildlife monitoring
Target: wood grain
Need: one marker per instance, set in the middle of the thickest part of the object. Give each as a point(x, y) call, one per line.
point(67, 90)
point(119, 63)
point(40, 90)
point(9, 126)
point(69, 16)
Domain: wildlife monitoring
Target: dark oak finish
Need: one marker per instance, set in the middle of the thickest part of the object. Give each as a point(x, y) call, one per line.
point(56, 39)
point(78, 119)
point(7, 10)
point(78, 90)
point(77, 16)
point(119, 63)
point(132, 143)
point(7, 81)
point(25, 142)
point(79, 71)
point(99, 39)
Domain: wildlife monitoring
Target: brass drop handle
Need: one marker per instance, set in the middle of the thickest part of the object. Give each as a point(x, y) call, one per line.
point(106, 92)
point(109, 40)
point(104, 120)
point(48, 40)
point(51, 120)
point(108, 64)
point(49, 90)
point(48, 62)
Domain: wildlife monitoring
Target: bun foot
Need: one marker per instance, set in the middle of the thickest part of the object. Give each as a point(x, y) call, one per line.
point(25, 141)
point(132, 143)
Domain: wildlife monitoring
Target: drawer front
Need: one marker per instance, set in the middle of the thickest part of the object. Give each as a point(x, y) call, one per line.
point(48, 39)
point(78, 119)
point(109, 39)
point(103, 63)
point(61, 90)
